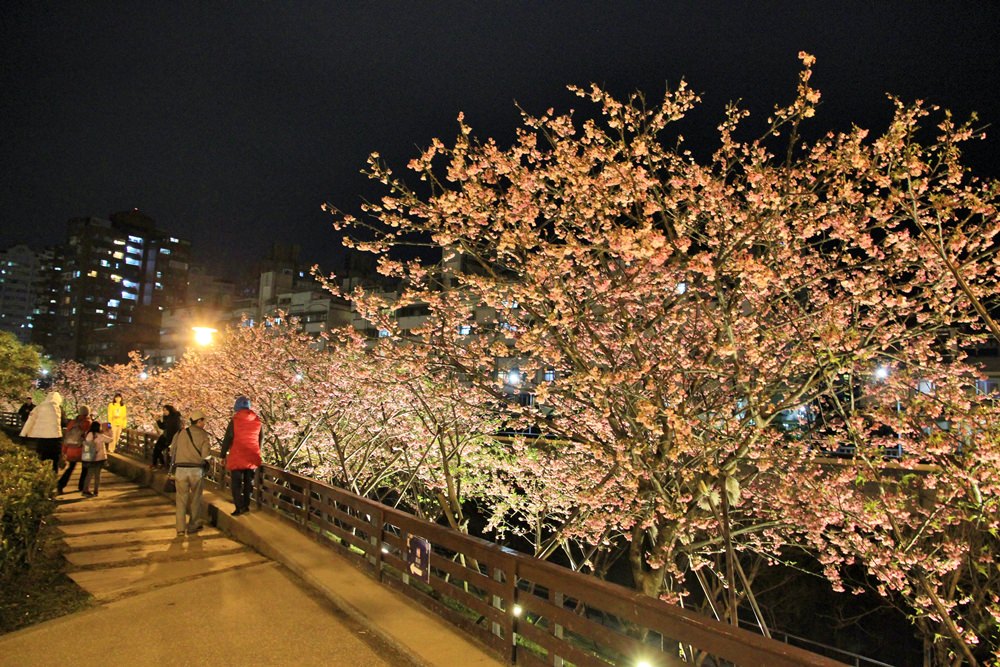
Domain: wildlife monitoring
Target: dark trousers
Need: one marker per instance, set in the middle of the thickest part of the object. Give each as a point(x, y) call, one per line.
point(242, 488)
point(91, 476)
point(158, 449)
point(64, 479)
point(49, 449)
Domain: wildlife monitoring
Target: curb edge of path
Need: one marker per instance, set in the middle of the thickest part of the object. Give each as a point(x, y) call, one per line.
point(322, 568)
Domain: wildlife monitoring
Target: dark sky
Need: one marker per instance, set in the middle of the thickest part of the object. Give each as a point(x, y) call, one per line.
point(232, 122)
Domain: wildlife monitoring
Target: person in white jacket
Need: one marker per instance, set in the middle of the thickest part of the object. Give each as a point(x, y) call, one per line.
point(44, 426)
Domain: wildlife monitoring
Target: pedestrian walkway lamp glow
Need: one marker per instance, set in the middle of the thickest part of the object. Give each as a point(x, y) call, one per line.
point(204, 336)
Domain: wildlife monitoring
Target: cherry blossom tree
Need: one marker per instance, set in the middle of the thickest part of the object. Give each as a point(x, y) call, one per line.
point(709, 328)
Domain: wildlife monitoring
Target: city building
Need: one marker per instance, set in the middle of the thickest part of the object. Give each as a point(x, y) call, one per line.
point(19, 287)
point(48, 289)
point(119, 275)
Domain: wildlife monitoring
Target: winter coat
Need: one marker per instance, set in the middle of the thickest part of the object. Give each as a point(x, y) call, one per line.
point(24, 411)
point(45, 421)
point(241, 444)
point(117, 415)
point(191, 451)
point(84, 424)
point(101, 440)
point(170, 425)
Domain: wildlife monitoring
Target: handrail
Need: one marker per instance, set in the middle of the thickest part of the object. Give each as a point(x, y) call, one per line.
point(857, 660)
point(10, 420)
point(530, 612)
point(533, 610)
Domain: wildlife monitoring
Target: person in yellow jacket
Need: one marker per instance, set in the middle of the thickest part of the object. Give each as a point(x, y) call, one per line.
point(118, 416)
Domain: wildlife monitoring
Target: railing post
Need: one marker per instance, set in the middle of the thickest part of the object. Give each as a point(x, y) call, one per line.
point(378, 541)
point(259, 485)
point(497, 602)
point(507, 575)
point(558, 600)
point(306, 503)
point(513, 609)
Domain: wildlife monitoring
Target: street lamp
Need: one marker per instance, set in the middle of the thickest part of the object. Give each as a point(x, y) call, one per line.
point(204, 336)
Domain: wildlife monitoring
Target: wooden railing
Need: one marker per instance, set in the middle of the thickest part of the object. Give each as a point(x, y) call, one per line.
point(530, 612)
point(10, 420)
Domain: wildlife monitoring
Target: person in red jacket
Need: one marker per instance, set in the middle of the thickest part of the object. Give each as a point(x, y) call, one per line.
point(241, 449)
point(82, 423)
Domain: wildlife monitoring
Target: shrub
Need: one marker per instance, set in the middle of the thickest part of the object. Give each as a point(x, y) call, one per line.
point(26, 485)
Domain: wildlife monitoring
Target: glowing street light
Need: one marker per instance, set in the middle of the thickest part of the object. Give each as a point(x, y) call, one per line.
point(204, 336)
point(881, 373)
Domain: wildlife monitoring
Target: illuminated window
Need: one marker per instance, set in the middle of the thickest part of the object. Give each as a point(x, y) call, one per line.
point(135, 239)
point(92, 274)
point(113, 303)
point(132, 262)
point(130, 296)
point(464, 329)
point(119, 255)
point(550, 375)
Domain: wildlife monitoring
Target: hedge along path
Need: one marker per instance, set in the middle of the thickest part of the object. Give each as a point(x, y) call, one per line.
point(122, 547)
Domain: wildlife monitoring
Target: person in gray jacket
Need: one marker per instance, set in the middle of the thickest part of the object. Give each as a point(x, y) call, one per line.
point(190, 451)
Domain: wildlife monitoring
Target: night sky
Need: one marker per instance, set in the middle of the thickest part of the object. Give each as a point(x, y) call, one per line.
point(232, 122)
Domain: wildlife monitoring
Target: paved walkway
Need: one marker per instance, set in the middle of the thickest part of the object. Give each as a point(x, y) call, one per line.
point(208, 599)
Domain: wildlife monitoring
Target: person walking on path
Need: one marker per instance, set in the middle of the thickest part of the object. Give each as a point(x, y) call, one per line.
point(118, 416)
point(73, 437)
point(95, 454)
point(190, 451)
point(44, 426)
point(241, 449)
point(25, 410)
point(169, 424)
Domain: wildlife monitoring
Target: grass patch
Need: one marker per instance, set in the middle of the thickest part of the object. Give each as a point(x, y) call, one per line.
point(43, 591)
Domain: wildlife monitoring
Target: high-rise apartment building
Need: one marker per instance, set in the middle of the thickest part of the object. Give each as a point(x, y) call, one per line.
point(118, 277)
point(18, 289)
point(48, 289)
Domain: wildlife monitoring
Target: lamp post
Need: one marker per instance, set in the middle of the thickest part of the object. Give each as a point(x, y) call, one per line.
point(204, 336)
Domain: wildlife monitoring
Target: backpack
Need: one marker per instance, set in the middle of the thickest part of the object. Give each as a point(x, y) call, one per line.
point(72, 442)
point(89, 450)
